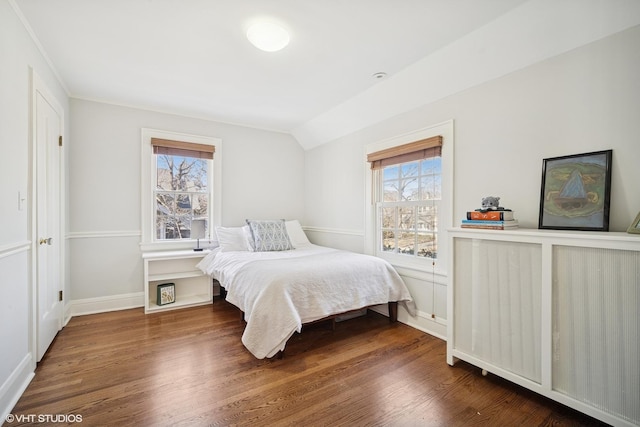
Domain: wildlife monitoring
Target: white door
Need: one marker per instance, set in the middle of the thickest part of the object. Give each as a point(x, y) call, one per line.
point(48, 285)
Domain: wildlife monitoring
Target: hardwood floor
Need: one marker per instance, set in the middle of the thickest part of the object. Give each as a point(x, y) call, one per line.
point(189, 367)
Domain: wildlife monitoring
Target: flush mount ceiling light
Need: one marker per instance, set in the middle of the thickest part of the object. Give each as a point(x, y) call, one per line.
point(268, 36)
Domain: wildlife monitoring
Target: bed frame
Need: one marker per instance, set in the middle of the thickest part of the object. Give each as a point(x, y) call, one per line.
point(393, 310)
point(393, 314)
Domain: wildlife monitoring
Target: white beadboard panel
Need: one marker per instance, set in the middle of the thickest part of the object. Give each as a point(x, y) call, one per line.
point(588, 319)
point(500, 323)
point(596, 334)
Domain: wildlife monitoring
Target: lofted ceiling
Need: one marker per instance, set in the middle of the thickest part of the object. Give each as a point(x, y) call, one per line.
point(191, 57)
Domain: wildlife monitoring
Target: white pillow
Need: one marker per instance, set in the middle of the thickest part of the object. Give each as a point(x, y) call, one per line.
point(296, 233)
point(233, 238)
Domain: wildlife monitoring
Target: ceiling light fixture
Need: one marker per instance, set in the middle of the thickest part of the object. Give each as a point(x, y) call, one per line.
point(268, 36)
point(379, 76)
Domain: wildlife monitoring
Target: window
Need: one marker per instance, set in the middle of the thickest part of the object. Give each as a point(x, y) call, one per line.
point(408, 208)
point(180, 184)
point(182, 187)
point(409, 182)
point(409, 199)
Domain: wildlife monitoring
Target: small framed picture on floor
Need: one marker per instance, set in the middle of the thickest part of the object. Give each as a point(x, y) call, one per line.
point(166, 293)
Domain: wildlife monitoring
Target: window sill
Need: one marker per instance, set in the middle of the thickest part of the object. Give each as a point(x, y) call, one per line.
point(173, 246)
point(424, 266)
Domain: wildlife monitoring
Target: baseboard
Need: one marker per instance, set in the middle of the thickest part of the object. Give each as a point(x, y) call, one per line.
point(15, 385)
point(85, 306)
point(67, 313)
point(426, 325)
point(421, 321)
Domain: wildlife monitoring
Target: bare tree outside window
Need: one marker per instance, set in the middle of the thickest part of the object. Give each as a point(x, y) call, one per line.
point(408, 214)
point(181, 195)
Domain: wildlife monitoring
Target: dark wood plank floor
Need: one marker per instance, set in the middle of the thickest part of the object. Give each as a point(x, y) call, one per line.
point(188, 367)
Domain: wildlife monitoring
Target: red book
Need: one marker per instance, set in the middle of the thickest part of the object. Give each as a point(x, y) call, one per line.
point(490, 215)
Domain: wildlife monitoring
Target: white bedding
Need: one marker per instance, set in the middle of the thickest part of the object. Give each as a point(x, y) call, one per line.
point(279, 291)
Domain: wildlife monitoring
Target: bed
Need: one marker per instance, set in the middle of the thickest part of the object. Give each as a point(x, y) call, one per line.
point(279, 290)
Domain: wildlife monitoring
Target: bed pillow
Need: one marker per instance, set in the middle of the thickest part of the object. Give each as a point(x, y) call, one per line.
point(269, 235)
point(233, 238)
point(297, 235)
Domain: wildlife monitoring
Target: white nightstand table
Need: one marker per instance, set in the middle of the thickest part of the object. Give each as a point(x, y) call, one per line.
point(192, 286)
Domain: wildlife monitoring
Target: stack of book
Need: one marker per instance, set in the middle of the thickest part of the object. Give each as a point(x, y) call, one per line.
point(492, 220)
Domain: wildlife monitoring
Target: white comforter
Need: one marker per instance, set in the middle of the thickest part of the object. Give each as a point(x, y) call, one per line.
point(279, 291)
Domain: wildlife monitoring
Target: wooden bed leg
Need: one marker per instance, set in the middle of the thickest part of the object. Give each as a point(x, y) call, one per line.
point(393, 311)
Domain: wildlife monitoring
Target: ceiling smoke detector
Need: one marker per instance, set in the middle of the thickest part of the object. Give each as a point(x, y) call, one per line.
point(379, 76)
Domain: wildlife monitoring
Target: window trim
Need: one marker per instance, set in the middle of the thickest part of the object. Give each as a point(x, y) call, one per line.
point(444, 129)
point(148, 168)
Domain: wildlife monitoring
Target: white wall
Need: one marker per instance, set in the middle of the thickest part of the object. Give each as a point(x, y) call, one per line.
point(262, 177)
point(585, 100)
point(17, 55)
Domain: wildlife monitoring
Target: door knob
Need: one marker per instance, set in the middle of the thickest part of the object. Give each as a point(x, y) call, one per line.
point(46, 241)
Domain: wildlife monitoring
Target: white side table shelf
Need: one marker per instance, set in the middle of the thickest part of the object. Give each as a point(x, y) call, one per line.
point(192, 286)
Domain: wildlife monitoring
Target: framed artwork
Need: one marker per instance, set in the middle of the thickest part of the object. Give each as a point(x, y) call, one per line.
point(576, 191)
point(634, 228)
point(166, 294)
